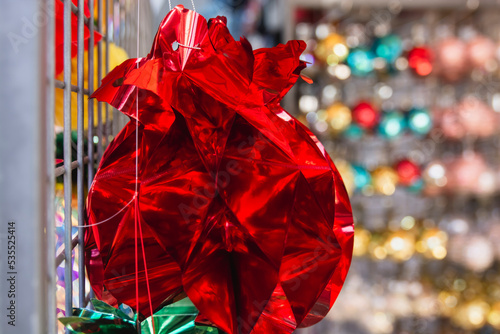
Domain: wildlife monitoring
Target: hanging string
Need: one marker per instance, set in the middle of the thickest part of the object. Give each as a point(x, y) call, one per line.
point(192, 3)
point(169, 4)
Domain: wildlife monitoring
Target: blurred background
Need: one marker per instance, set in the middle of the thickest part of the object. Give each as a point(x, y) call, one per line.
point(406, 99)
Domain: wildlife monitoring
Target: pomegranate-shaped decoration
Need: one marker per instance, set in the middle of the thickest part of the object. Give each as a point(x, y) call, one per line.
point(232, 202)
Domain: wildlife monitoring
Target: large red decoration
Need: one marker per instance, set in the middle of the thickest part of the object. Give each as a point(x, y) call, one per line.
point(239, 204)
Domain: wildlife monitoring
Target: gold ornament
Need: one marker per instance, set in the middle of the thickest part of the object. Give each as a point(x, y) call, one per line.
point(332, 50)
point(338, 117)
point(347, 174)
point(384, 180)
point(400, 245)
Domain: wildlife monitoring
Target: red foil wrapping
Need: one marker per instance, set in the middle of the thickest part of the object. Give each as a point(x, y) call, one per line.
point(240, 206)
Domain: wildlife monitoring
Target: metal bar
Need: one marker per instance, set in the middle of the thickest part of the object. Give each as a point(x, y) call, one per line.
point(107, 131)
point(24, 181)
point(50, 177)
point(99, 78)
point(74, 164)
point(80, 157)
point(61, 256)
point(61, 85)
point(68, 268)
point(90, 127)
point(116, 39)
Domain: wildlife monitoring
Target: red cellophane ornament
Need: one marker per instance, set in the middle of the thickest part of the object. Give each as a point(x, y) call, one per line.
point(239, 205)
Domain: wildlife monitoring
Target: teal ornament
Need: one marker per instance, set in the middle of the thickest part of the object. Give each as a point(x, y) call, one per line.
point(389, 47)
point(362, 177)
point(417, 186)
point(420, 121)
point(360, 60)
point(353, 131)
point(392, 124)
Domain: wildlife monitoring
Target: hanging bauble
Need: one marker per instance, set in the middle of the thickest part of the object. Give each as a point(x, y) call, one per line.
point(365, 115)
point(451, 58)
point(420, 60)
point(385, 180)
point(471, 315)
point(435, 177)
point(420, 121)
point(360, 60)
point(464, 173)
point(433, 243)
point(408, 172)
point(477, 118)
point(332, 50)
point(400, 245)
point(475, 252)
point(451, 123)
point(481, 51)
point(455, 224)
point(388, 47)
point(362, 177)
point(494, 315)
point(353, 132)
point(207, 135)
point(338, 117)
point(392, 124)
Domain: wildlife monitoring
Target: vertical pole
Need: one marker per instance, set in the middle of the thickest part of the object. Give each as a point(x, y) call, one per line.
point(48, 7)
point(81, 166)
point(68, 250)
point(99, 78)
point(24, 178)
point(91, 103)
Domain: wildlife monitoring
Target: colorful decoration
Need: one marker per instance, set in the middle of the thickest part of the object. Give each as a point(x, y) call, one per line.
point(420, 121)
point(362, 177)
point(420, 60)
point(451, 58)
point(388, 47)
point(392, 124)
point(338, 117)
point(332, 50)
point(385, 180)
point(365, 115)
point(232, 194)
point(408, 172)
point(360, 60)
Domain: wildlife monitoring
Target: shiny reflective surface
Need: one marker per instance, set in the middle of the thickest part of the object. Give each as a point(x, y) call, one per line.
point(240, 205)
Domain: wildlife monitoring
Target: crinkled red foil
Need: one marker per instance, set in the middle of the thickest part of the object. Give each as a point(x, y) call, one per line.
point(241, 207)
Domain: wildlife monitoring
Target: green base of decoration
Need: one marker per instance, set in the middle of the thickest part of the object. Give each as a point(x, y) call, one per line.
point(176, 318)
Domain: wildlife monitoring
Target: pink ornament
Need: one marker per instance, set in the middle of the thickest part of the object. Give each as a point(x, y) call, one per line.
point(465, 173)
point(451, 58)
point(477, 118)
point(451, 124)
point(480, 51)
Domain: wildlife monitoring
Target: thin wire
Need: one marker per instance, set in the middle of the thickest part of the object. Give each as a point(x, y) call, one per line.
point(169, 4)
point(192, 3)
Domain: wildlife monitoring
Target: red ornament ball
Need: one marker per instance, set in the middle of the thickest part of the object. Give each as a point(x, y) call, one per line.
point(408, 172)
point(365, 115)
point(420, 60)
